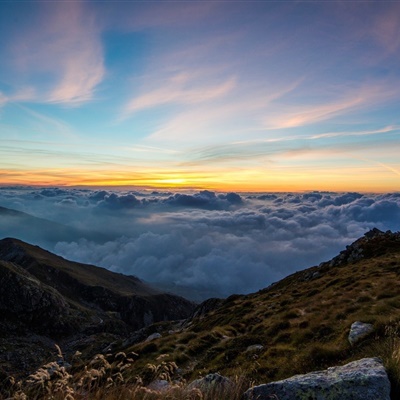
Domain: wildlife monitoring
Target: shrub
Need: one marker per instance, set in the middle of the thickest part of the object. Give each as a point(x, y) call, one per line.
point(275, 328)
point(320, 356)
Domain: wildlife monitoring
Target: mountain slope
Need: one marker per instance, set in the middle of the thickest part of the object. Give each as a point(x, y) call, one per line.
point(296, 325)
point(61, 272)
point(44, 294)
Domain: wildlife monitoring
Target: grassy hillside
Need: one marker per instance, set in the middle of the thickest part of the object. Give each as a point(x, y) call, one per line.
point(302, 322)
point(297, 325)
point(59, 271)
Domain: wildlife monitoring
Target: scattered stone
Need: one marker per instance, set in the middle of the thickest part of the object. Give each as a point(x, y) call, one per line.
point(153, 337)
point(211, 382)
point(358, 331)
point(159, 385)
point(64, 364)
point(365, 379)
point(255, 348)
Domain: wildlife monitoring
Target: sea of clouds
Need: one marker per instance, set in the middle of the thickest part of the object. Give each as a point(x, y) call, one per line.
point(214, 243)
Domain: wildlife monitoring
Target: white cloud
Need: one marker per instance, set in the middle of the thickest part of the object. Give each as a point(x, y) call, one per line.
point(180, 89)
point(206, 241)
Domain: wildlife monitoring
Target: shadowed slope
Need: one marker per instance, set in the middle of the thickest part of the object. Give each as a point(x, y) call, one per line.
point(71, 302)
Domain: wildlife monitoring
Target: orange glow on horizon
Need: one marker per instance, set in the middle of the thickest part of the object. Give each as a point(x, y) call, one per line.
point(238, 180)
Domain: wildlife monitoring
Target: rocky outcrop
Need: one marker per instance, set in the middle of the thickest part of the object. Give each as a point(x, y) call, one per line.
point(364, 247)
point(358, 331)
point(203, 309)
point(24, 300)
point(141, 311)
point(365, 379)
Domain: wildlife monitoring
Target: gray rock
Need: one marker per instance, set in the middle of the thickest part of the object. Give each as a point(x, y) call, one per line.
point(153, 337)
point(211, 382)
point(365, 379)
point(202, 310)
point(358, 331)
point(255, 348)
point(159, 385)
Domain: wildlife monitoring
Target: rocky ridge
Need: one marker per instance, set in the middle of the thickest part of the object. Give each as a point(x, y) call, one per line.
point(364, 247)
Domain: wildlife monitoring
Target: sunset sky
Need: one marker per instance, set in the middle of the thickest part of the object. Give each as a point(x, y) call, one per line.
point(223, 95)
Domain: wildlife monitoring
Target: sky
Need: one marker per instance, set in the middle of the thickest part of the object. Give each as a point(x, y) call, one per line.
point(201, 244)
point(219, 95)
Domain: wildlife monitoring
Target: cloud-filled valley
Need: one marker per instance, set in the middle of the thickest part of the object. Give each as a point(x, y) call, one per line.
point(213, 243)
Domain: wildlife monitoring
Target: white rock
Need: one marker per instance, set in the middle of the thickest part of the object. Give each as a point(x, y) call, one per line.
point(255, 348)
point(153, 336)
point(358, 331)
point(211, 382)
point(365, 379)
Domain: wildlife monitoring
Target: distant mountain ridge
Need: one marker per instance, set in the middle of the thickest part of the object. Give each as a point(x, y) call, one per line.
point(39, 230)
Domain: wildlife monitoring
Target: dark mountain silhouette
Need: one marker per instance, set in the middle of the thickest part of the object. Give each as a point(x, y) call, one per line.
point(47, 295)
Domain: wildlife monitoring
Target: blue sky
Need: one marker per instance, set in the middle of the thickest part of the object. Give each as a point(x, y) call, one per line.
point(230, 95)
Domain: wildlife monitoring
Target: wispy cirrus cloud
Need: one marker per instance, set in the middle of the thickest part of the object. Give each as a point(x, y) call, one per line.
point(67, 46)
point(308, 146)
point(46, 125)
point(180, 89)
point(386, 129)
point(240, 114)
point(350, 100)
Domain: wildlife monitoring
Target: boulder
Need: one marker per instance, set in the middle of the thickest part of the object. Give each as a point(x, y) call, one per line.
point(159, 385)
point(153, 336)
point(358, 331)
point(211, 383)
point(255, 348)
point(365, 379)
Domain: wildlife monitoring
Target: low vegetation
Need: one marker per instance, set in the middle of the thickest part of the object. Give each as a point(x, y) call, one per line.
point(296, 326)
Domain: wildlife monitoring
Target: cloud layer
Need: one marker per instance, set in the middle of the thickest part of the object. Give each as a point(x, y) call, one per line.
point(214, 243)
